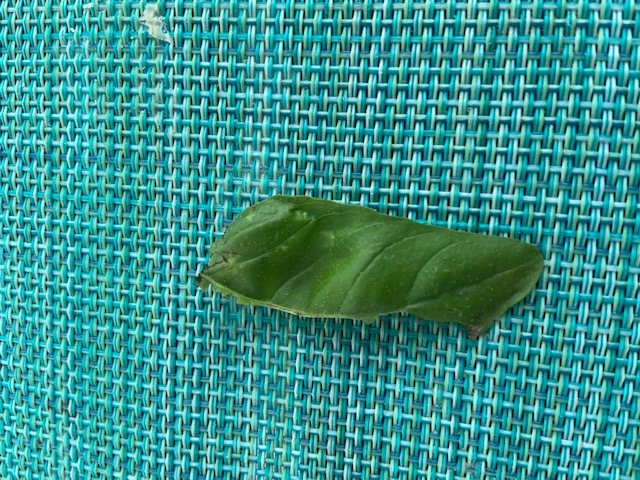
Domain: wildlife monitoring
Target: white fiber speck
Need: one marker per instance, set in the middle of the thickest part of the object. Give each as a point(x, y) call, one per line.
point(155, 24)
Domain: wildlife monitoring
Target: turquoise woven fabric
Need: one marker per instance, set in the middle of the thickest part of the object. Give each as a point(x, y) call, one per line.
point(132, 133)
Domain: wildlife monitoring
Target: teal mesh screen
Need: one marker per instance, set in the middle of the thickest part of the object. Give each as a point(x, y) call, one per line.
point(131, 133)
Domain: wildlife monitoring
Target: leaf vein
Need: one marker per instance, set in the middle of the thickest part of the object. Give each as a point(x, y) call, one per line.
point(466, 287)
point(288, 239)
point(427, 263)
point(358, 279)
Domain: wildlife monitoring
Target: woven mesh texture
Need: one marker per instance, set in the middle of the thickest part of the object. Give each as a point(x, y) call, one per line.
point(131, 134)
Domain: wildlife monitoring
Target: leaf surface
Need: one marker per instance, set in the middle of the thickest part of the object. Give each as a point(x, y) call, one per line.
point(320, 258)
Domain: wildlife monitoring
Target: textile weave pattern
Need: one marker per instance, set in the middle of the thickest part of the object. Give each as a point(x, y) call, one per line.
point(132, 133)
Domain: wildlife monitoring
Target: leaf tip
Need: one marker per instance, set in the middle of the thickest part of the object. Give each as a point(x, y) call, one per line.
point(475, 331)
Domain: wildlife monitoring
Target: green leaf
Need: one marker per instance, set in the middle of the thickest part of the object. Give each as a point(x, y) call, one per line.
point(320, 258)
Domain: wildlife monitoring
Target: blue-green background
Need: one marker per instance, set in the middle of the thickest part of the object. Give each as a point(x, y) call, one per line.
point(122, 156)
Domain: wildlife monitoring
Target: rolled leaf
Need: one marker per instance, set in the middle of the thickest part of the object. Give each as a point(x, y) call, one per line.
point(321, 258)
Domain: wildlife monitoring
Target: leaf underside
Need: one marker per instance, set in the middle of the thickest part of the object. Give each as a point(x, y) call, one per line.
point(320, 258)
